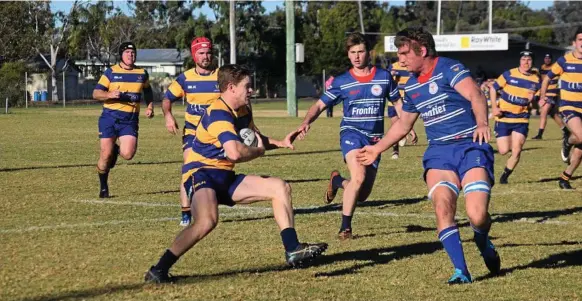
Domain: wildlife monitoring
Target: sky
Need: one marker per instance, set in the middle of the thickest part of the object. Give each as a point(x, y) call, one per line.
point(269, 6)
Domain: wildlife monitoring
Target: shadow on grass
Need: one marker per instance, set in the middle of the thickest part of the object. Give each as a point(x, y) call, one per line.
point(293, 153)
point(376, 256)
point(554, 261)
point(182, 279)
point(80, 165)
point(541, 216)
point(527, 149)
point(544, 180)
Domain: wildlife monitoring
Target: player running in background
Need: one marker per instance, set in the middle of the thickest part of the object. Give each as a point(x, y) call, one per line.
point(551, 103)
point(120, 89)
point(400, 76)
point(569, 69)
point(209, 175)
point(454, 111)
point(518, 87)
point(198, 85)
point(363, 89)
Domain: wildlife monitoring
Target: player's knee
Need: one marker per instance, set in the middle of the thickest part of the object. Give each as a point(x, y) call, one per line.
point(282, 189)
point(127, 154)
point(503, 151)
point(206, 223)
point(478, 217)
point(449, 186)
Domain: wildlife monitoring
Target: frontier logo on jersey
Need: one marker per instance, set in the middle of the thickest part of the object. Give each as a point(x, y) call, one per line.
point(365, 111)
point(433, 113)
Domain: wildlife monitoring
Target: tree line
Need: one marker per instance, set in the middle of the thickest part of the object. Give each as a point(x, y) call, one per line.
point(95, 29)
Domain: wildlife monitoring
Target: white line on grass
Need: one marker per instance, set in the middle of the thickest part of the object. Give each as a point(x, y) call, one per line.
point(243, 211)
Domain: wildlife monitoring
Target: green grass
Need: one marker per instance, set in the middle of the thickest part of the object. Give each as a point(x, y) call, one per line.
point(57, 243)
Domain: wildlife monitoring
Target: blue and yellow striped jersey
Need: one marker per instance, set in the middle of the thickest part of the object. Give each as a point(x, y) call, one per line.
point(401, 76)
point(553, 87)
point(130, 83)
point(218, 125)
point(200, 91)
point(516, 89)
point(569, 68)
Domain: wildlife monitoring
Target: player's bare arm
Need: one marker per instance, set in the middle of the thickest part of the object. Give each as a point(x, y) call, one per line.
point(171, 124)
point(237, 152)
point(469, 90)
point(543, 90)
point(148, 96)
point(310, 117)
point(493, 97)
point(368, 154)
point(105, 95)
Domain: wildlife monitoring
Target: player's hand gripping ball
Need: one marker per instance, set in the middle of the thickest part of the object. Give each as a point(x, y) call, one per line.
point(248, 137)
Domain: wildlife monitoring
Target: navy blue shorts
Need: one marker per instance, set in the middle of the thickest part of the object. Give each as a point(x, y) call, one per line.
point(187, 141)
point(223, 182)
point(569, 114)
point(350, 140)
point(110, 127)
point(392, 112)
point(459, 157)
point(504, 129)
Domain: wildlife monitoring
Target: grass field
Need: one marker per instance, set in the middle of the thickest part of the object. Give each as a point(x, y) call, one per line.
point(60, 242)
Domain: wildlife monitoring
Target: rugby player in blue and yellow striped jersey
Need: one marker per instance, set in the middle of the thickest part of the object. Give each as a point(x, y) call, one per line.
point(401, 76)
point(199, 86)
point(120, 88)
point(550, 105)
point(209, 175)
point(569, 68)
point(518, 87)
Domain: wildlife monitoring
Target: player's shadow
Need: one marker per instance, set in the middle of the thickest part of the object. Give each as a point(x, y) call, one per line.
point(527, 149)
point(181, 279)
point(544, 180)
point(373, 257)
point(541, 216)
point(381, 204)
point(79, 165)
point(293, 153)
point(555, 261)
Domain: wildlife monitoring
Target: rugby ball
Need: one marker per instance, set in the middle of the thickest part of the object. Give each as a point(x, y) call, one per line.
point(248, 137)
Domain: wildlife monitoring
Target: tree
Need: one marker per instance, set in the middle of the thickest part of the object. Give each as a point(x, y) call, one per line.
point(17, 29)
point(51, 38)
point(98, 31)
point(567, 14)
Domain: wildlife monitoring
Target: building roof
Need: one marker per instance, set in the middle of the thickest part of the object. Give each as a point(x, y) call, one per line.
point(162, 55)
point(168, 56)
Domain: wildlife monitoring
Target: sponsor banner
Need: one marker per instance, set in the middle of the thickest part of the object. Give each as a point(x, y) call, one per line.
point(461, 42)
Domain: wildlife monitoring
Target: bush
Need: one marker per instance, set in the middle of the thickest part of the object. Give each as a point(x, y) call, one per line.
point(12, 83)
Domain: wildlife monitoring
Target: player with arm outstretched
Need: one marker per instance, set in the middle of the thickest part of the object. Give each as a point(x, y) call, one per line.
point(364, 90)
point(209, 176)
point(454, 111)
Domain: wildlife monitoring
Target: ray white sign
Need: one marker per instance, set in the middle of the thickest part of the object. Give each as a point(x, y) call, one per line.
point(461, 42)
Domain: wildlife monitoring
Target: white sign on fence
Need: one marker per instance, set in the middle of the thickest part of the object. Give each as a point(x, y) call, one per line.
point(462, 42)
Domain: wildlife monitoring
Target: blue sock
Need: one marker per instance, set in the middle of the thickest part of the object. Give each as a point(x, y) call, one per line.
point(451, 240)
point(346, 222)
point(290, 240)
point(481, 239)
point(337, 182)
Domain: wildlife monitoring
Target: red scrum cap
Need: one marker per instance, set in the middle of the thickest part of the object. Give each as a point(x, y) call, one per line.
point(199, 43)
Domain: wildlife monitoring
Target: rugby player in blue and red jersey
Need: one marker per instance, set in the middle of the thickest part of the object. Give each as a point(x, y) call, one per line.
point(454, 111)
point(363, 89)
